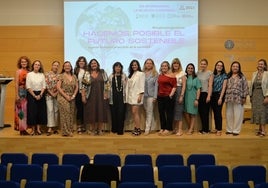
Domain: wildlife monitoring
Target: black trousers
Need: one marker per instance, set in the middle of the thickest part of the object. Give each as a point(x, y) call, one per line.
point(217, 110)
point(80, 109)
point(203, 109)
point(166, 112)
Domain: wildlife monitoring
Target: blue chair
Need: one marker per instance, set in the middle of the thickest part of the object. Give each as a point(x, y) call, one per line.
point(44, 184)
point(107, 159)
point(3, 172)
point(230, 185)
point(100, 173)
point(9, 184)
point(90, 185)
point(261, 185)
point(201, 159)
point(245, 173)
point(14, 158)
point(75, 159)
point(140, 159)
point(169, 174)
point(183, 185)
point(137, 173)
point(212, 173)
point(45, 158)
point(61, 173)
point(169, 159)
point(136, 184)
point(30, 172)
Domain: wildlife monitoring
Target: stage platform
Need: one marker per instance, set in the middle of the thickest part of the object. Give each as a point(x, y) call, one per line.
point(229, 150)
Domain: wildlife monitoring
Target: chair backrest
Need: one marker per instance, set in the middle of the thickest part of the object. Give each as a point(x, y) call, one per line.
point(75, 159)
point(107, 159)
point(169, 173)
point(61, 173)
point(137, 173)
point(201, 159)
point(140, 159)
point(90, 185)
point(183, 185)
point(9, 184)
point(230, 185)
point(212, 173)
point(261, 185)
point(14, 158)
point(30, 172)
point(136, 184)
point(99, 173)
point(3, 172)
point(44, 184)
point(169, 159)
point(245, 173)
point(45, 158)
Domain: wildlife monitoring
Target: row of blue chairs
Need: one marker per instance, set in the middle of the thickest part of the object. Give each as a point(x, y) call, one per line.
point(111, 159)
point(39, 184)
point(135, 173)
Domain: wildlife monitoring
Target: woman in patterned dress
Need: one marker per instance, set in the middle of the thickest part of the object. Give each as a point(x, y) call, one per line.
point(67, 87)
point(20, 123)
point(51, 98)
point(258, 92)
point(179, 94)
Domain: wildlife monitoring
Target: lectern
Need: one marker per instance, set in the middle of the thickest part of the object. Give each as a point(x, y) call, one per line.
point(3, 83)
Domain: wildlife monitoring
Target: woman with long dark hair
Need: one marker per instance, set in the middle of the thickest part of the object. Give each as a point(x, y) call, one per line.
point(191, 98)
point(118, 81)
point(95, 96)
point(79, 71)
point(218, 93)
point(134, 93)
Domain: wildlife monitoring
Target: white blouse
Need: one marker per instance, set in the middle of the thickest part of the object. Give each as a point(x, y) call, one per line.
point(35, 81)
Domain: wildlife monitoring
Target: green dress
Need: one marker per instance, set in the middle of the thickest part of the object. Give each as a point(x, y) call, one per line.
point(192, 85)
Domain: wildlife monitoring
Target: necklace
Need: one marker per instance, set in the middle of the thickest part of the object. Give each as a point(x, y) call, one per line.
point(259, 75)
point(116, 84)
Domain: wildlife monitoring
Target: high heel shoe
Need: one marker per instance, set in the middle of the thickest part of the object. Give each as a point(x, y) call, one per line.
point(49, 133)
point(38, 133)
point(24, 133)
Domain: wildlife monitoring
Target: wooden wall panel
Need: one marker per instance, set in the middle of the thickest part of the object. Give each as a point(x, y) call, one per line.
point(46, 44)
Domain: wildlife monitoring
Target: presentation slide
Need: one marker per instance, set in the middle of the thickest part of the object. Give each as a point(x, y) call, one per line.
point(112, 31)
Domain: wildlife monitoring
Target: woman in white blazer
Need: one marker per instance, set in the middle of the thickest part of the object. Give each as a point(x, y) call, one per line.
point(134, 93)
point(258, 92)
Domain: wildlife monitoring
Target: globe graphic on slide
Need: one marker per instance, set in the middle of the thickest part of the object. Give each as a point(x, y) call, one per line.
point(100, 28)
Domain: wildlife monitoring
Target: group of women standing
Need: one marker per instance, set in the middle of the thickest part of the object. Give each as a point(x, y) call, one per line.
point(87, 91)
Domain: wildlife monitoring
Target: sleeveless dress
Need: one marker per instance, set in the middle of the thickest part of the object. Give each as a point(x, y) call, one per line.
point(20, 121)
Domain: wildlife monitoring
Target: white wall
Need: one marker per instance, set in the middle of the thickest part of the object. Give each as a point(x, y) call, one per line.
point(212, 12)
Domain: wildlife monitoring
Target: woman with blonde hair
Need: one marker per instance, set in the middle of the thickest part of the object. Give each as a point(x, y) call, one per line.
point(150, 94)
point(165, 97)
point(179, 94)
